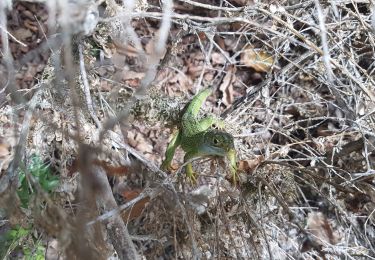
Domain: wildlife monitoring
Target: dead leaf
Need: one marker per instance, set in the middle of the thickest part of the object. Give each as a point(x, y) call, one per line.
point(31, 25)
point(181, 79)
point(355, 202)
point(4, 150)
point(105, 86)
point(250, 165)
point(136, 210)
point(227, 86)
point(259, 60)
point(139, 142)
point(202, 36)
point(320, 228)
point(208, 77)
point(151, 48)
point(217, 58)
point(53, 250)
point(145, 147)
point(130, 194)
point(22, 34)
point(243, 2)
point(195, 71)
point(132, 75)
point(125, 49)
point(221, 42)
point(5, 156)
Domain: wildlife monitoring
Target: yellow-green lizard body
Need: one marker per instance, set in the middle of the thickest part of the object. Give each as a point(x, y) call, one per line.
point(199, 138)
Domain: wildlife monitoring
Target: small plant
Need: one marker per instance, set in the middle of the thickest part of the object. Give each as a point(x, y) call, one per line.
point(42, 174)
point(19, 239)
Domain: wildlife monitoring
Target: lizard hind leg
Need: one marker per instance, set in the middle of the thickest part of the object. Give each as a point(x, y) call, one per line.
point(169, 153)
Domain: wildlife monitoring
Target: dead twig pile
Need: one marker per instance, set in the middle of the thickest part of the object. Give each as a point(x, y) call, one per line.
point(92, 88)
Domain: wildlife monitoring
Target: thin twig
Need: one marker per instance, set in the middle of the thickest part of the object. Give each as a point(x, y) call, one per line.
point(117, 230)
point(86, 88)
point(10, 178)
point(115, 212)
point(14, 38)
point(213, 7)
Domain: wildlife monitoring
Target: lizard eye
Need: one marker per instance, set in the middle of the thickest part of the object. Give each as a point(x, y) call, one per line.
point(214, 126)
point(216, 141)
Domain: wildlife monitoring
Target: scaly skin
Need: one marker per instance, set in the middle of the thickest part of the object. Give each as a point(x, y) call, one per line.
point(198, 138)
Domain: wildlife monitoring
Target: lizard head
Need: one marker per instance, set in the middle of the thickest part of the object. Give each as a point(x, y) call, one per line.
point(218, 143)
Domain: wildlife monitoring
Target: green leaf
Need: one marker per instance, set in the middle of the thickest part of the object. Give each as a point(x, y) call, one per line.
point(42, 174)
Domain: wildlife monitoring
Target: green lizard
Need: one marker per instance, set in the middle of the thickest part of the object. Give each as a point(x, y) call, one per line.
point(199, 138)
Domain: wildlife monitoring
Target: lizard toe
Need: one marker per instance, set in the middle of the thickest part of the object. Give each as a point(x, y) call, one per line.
point(192, 177)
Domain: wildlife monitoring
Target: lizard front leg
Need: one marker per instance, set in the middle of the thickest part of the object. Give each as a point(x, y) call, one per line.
point(231, 155)
point(192, 176)
point(169, 153)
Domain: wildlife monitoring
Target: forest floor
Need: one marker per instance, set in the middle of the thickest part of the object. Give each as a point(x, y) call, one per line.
point(90, 93)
